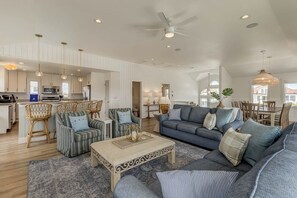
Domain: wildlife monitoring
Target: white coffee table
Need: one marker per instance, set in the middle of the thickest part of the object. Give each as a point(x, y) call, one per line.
point(118, 160)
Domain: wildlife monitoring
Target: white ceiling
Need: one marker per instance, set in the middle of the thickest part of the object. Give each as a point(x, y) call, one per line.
point(218, 37)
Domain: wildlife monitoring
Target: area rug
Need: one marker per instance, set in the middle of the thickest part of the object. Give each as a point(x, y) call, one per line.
point(61, 177)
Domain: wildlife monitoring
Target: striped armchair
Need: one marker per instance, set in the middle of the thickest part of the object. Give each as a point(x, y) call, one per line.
point(118, 129)
point(72, 143)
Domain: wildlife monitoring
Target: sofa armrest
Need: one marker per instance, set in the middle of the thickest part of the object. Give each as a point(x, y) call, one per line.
point(163, 117)
point(136, 119)
point(235, 125)
point(96, 124)
point(130, 187)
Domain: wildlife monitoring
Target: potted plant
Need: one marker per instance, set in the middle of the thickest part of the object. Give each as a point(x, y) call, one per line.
point(225, 94)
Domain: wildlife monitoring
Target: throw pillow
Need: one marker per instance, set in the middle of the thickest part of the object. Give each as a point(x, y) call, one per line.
point(233, 145)
point(233, 114)
point(79, 123)
point(210, 121)
point(223, 117)
point(174, 114)
point(124, 117)
point(193, 184)
point(262, 137)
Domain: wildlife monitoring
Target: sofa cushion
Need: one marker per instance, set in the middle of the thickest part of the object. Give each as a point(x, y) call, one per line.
point(234, 113)
point(210, 121)
point(198, 114)
point(174, 114)
point(262, 137)
point(192, 184)
point(172, 124)
point(185, 111)
point(233, 145)
point(189, 127)
point(86, 134)
point(210, 134)
point(217, 157)
point(223, 117)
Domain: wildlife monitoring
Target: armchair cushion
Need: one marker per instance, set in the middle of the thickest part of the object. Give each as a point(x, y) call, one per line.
point(79, 123)
point(124, 117)
point(86, 134)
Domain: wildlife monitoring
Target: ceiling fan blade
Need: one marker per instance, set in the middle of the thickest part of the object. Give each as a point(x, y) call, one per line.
point(164, 19)
point(188, 20)
point(182, 34)
point(154, 29)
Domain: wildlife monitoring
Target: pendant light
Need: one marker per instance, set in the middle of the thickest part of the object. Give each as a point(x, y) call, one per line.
point(63, 76)
point(80, 79)
point(39, 72)
point(264, 78)
point(10, 67)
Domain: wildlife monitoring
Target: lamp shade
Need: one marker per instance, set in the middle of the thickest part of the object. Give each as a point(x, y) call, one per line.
point(264, 78)
point(164, 100)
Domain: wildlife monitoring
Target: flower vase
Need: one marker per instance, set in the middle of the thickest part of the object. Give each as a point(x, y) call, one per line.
point(220, 105)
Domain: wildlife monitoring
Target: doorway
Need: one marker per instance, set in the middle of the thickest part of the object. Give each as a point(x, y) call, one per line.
point(136, 98)
point(106, 98)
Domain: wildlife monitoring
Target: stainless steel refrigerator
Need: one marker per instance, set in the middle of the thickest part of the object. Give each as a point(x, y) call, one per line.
point(87, 92)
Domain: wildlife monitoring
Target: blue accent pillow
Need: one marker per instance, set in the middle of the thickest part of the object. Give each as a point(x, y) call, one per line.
point(262, 137)
point(193, 184)
point(124, 117)
point(174, 114)
point(79, 123)
point(223, 117)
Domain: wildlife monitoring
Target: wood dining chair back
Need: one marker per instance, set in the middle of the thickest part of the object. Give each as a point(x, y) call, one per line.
point(269, 104)
point(250, 110)
point(283, 120)
point(235, 104)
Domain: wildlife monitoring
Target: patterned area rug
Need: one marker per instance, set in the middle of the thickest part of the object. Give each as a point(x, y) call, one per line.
point(74, 177)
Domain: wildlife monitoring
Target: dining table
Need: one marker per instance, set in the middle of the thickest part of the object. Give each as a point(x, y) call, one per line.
point(271, 111)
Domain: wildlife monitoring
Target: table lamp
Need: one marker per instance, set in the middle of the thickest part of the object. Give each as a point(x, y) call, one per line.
point(164, 104)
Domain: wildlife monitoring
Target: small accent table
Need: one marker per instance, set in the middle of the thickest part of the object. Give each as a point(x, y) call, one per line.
point(157, 126)
point(106, 122)
point(149, 110)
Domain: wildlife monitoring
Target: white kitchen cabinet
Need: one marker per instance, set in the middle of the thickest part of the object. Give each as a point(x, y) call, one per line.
point(76, 86)
point(46, 80)
point(56, 80)
point(3, 80)
point(5, 117)
point(51, 80)
point(12, 81)
point(22, 81)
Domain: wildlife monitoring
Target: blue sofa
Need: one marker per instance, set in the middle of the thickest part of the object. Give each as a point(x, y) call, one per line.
point(190, 129)
point(273, 176)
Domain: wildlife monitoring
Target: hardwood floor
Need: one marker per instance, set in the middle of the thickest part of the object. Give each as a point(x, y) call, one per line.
point(14, 160)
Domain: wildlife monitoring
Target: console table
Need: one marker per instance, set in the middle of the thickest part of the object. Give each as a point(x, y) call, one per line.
point(149, 110)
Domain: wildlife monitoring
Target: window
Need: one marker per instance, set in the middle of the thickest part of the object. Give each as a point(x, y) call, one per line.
point(65, 89)
point(291, 93)
point(33, 87)
point(259, 93)
point(214, 83)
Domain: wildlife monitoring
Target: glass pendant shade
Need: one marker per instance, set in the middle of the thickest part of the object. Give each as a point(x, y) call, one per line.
point(63, 77)
point(39, 73)
point(264, 78)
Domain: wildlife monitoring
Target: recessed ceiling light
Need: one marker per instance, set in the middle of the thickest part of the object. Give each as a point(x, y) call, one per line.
point(243, 17)
point(98, 21)
point(168, 46)
point(252, 25)
point(21, 63)
point(24, 69)
point(153, 59)
point(71, 74)
point(78, 70)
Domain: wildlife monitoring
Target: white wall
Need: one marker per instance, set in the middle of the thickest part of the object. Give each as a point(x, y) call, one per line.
point(225, 82)
point(98, 89)
point(242, 90)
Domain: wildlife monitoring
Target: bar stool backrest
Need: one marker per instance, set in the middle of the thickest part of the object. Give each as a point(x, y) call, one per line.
point(67, 107)
point(38, 111)
point(83, 106)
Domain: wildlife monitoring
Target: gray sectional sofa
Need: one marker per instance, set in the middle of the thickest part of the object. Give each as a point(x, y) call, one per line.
point(274, 175)
point(189, 128)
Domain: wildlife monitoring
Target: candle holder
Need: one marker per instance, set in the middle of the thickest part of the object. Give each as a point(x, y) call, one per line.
point(132, 133)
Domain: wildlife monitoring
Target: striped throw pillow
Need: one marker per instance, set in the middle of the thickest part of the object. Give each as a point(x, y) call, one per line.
point(193, 184)
point(210, 121)
point(233, 145)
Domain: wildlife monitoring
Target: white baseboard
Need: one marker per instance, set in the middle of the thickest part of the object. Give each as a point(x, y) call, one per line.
point(23, 140)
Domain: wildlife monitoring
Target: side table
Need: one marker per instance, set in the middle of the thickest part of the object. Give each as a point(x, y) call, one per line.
point(157, 126)
point(106, 122)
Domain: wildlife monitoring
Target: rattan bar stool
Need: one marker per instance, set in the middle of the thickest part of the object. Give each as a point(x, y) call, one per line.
point(95, 108)
point(83, 106)
point(38, 112)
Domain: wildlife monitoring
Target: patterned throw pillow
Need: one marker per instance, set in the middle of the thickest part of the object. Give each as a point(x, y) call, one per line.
point(79, 123)
point(193, 184)
point(210, 121)
point(124, 117)
point(233, 145)
point(174, 114)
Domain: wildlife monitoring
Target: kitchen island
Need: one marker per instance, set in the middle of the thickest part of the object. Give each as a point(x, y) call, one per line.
point(24, 123)
point(6, 116)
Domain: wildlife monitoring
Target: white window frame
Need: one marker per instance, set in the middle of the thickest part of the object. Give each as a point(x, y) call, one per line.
point(262, 90)
point(65, 95)
point(294, 103)
point(35, 81)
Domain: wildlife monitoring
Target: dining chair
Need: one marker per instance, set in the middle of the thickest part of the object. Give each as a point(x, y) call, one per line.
point(251, 110)
point(269, 104)
point(283, 119)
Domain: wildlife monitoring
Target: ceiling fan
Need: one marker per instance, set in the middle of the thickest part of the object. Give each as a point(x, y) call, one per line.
point(169, 28)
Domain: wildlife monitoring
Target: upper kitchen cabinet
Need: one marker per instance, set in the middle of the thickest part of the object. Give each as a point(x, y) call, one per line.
point(22, 81)
point(3, 80)
point(12, 81)
point(76, 86)
point(51, 80)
